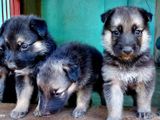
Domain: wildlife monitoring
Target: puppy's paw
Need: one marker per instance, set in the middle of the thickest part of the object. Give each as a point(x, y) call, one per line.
point(145, 115)
point(16, 114)
point(37, 113)
point(78, 112)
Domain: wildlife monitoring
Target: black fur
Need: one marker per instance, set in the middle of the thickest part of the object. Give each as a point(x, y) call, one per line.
point(81, 65)
point(26, 43)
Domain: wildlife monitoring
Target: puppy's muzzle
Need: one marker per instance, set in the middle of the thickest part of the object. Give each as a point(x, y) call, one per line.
point(11, 65)
point(127, 50)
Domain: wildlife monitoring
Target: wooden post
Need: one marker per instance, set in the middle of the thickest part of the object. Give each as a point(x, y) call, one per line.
point(15, 7)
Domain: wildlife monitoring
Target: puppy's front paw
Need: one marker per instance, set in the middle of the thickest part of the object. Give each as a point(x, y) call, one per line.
point(16, 114)
point(144, 115)
point(37, 113)
point(77, 113)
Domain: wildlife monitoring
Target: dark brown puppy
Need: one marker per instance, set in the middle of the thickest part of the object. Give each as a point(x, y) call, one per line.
point(127, 61)
point(73, 67)
point(26, 44)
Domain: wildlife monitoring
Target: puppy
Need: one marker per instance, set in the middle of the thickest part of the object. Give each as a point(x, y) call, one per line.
point(26, 44)
point(73, 67)
point(127, 65)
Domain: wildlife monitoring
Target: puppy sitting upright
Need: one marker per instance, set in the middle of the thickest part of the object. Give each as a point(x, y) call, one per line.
point(127, 65)
point(73, 67)
point(27, 43)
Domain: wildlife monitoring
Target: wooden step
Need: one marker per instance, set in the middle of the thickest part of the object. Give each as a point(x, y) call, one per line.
point(94, 113)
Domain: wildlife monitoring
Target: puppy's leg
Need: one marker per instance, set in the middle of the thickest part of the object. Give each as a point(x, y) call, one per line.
point(3, 75)
point(114, 99)
point(37, 111)
point(144, 96)
point(83, 100)
point(24, 89)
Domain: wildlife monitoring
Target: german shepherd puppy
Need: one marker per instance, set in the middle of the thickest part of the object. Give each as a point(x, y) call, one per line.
point(73, 67)
point(27, 43)
point(127, 65)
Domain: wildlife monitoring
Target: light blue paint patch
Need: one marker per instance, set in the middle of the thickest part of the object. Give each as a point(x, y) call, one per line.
point(74, 20)
point(4, 9)
point(0, 13)
point(8, 8)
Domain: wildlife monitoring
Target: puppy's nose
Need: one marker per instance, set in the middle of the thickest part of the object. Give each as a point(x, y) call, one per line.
point(127, 50)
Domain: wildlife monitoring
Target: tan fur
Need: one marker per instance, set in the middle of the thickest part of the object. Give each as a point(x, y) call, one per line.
point(23, 99)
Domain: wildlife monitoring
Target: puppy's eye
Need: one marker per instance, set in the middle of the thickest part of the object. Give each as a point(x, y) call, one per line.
point(24, 46)
point(57, 94)
point(116, 33)
point(138, 33)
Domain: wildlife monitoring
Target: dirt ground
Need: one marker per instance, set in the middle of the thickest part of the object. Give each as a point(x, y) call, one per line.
point(94, 113)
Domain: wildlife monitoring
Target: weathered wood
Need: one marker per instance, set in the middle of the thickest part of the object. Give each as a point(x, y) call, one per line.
point(94, 113)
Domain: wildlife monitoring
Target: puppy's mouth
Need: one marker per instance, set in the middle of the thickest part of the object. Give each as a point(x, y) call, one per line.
point(11, 66)
point(126, 57)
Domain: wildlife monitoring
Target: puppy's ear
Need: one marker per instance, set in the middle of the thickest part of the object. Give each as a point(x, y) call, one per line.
point(39, 27)
point(106, 16)
point(146, 15)
point(72, 72)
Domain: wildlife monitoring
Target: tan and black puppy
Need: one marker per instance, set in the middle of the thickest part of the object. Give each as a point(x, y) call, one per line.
point(73, 67)
point(26, 44)
point(127, 65)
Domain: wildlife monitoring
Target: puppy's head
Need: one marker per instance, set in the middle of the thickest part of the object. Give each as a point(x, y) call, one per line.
point(125, 32)
point(55, 82)
point(26, 41)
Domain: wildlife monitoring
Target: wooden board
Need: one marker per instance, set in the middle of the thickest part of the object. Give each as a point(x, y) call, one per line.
point(94, 113)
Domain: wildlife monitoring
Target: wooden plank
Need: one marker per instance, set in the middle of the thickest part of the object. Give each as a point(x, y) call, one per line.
point(31, 7)
point(15, 7)
point(4, 10)
point(94, 113)
point(70, 20)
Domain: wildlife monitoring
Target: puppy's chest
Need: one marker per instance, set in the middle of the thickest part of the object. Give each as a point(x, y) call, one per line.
point(127, 75)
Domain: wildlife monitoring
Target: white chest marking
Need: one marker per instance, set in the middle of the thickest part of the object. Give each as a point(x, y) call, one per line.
point(142, 74)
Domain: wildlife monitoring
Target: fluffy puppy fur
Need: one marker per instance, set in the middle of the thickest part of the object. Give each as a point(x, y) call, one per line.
point(26, 44)
point(5, 77)
point(128, 66)
point(73, 67)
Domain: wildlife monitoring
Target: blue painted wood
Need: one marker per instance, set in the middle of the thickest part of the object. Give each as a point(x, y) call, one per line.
point(4, 10)
point(0, 13)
